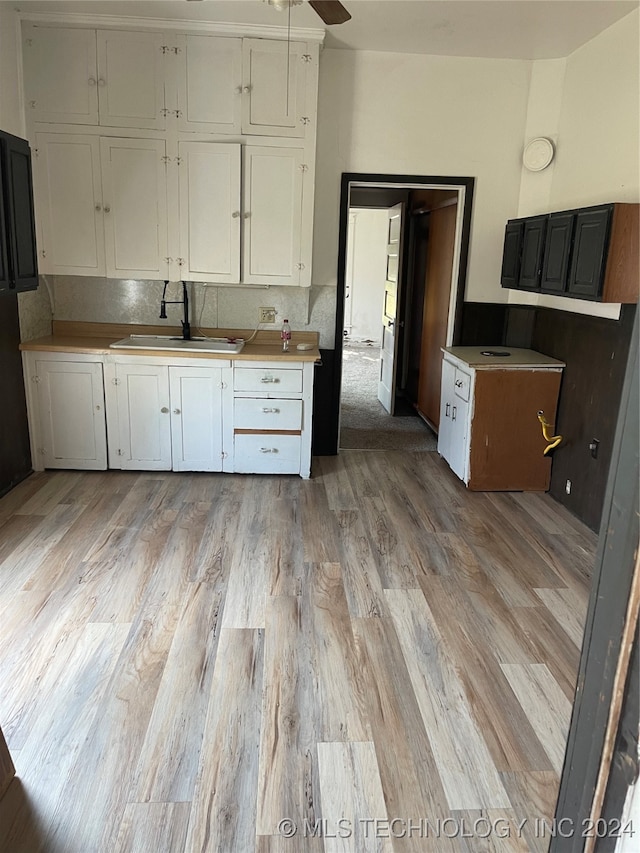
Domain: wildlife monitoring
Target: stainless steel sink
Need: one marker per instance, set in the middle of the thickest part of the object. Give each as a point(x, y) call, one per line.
point(175, 344)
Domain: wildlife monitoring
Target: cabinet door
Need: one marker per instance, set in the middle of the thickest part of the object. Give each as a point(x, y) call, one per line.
point(72, 415)
point(533, 235)
point(555, 265)
point(130, 79)
point(445, 425)
point(21, 260)
point(459, 447)
point(4, 243)
point(210, 211)
point(135, 207)
point(144, 424)
point(273, 88)
point(510, 275)
point(69, 204)
point(61, 82)
point(589, 252)
point(196, 418)
point(209, 84)
point(272, 196)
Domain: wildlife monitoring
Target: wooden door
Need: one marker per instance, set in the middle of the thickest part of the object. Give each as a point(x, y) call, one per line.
point(209, 84)
point(273, 88)
point(210, 211)
point(134, 184)
point(196, 418)
point(131, 79)
point(589, 252)
point(389, 339)
point(271, 217)
point(555, 265)
point(144, 425)
point(60, 70)
point(435, 317)
point(72, 414)
point(68, 190)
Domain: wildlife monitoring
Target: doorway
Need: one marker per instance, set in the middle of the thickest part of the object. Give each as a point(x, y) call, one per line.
point(397, 304)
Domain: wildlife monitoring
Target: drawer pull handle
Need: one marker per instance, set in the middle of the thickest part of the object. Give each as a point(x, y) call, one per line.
point(270, 411)
point(446, 410)
point(268, 450)
point(453, 413)
point(268, 379)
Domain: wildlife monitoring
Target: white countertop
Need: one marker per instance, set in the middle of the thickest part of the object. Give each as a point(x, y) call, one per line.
point(517, 358)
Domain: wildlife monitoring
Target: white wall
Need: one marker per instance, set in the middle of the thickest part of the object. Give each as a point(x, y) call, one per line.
point(367, 239)
point(423, 115)
point(595, 126)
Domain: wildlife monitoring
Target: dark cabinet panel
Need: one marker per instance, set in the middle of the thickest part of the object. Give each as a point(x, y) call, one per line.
point(589, 253)
point(18, 234)
point(532, 248)
point(555, 265)
point(510, 275)
point(4, 257)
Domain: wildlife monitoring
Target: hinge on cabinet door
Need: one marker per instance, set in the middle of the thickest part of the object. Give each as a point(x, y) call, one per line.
point(43, 252)
point(177, 113)
point(166, 159)
point(304, 167)
point(36, 152)
point(306, 57)
point(168, 260)
point(35, 378)
point(164, 112)
point(180, 261)
point(300, 266)
point(115, 381)
point(120, 453)
point(223, 384)
point(305, 120)
point(32, 104)
point(178, 160)
point(166, 49)
point(41, 451)
point(28, 42)
point(224, 455)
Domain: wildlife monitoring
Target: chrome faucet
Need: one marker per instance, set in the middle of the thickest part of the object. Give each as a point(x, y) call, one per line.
point(186, 328)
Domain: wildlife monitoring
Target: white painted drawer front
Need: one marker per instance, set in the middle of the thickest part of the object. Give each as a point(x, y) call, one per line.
point(267, 454)
point(253, 413)
point(267, 380)
point(462, 384)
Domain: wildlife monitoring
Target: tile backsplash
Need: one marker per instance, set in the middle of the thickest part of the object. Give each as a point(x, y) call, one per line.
point(102, 300)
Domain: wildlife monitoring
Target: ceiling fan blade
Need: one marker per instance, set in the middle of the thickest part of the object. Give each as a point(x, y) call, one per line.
point(331, 11)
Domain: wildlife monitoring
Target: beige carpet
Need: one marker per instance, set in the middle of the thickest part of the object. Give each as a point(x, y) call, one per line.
point(364, 424)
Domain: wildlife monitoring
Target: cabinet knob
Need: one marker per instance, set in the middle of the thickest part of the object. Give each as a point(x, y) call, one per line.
point(246, 89)
point(102, 81)
point(92, 81)
point(235, 214)
point(246, 215)
point(98, 207)
point(176, 411)
point(458, 383)
point(164, 410)
point(107, 209)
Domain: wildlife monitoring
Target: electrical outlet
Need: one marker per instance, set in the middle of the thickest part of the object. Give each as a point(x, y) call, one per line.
point(268, 315)
point(567, 487)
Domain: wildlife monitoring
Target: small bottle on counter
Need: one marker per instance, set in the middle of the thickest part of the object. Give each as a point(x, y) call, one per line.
point(285, 335)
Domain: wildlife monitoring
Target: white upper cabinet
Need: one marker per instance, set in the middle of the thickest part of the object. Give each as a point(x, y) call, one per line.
point(134, 186)
point(130, 79)
point(272, 216)
point(111, 78)
point(274, 86)
point(210, 217)
point(60, 75)
point(209, 84)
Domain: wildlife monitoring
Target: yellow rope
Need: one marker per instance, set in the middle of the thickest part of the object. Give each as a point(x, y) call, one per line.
point(547, 429)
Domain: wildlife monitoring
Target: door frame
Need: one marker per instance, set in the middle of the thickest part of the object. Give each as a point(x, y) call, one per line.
point(465, 187)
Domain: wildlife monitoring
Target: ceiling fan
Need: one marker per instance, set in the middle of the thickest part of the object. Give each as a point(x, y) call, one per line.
point(331, 11)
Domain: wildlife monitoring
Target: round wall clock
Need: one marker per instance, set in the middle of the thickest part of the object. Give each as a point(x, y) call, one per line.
point(538, 154)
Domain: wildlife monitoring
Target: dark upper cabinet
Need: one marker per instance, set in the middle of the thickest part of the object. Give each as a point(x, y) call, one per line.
point(533, 236)
point(18, 254)
point(590, 253)
point(511, 258)
point(591, 237)
point(555, 264)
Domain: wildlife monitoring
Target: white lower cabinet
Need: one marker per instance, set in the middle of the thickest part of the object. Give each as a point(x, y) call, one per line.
point(162, 414)
point(453, 435)
point(67, 406)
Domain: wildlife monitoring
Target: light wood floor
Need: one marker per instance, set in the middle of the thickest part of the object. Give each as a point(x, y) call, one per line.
point(188, 660)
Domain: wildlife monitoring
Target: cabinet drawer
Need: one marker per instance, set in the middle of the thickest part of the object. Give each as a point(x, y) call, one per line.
point(462, 384)
point(253, 413)
point(267, 454)
point(268, 380)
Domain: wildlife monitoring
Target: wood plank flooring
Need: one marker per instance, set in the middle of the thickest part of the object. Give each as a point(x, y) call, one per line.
point(372, 660)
